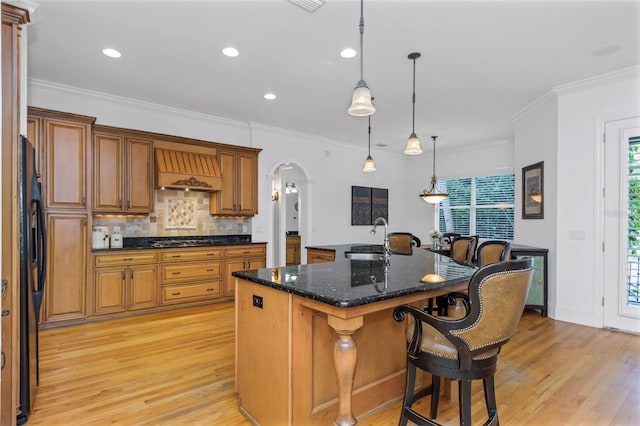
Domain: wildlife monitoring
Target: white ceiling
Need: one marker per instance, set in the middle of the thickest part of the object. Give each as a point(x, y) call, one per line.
point(482, 61)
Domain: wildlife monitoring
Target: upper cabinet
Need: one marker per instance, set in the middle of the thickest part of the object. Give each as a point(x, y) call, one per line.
point(67, 149)
point(122, 173)
point(239, 194)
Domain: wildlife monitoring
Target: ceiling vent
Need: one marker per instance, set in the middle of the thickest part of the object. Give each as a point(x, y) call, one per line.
point(309, 5)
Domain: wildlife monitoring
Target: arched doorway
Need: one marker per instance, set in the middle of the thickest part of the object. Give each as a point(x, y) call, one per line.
point(291, 212)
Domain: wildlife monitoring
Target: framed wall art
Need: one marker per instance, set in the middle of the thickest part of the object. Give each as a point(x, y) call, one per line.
point(533, 191)
point(367, 204)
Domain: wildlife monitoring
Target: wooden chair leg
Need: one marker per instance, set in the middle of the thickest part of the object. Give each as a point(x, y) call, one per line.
point(464, 399)
point(490, 397)
point(408, 391)
point(435, 395)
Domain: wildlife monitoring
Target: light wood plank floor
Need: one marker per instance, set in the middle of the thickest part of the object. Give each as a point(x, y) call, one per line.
point(178, 368)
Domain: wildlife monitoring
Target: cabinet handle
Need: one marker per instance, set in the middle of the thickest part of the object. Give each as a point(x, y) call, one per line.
point(246, 252)
point(119, 204)
point(175, 256)
point(209, 289)
point(127, 258)
point(175, 294)
point(123, 276)
point(128, 204)
point(209, 270)
point(5, 312)
point(175, 273)
point(210, 254)
point(84, 201)
point(84, 222)
point(131, 276)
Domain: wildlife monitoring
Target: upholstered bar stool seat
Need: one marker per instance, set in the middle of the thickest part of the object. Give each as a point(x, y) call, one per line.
point(465, 349)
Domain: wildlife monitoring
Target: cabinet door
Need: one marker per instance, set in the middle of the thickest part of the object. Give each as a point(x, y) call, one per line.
point(143, 286)
point(34, 126)
point(107, 173)
point(109, 287)
point(66, 164)
point(247, 189)
point(229, 281)
point(224, 201)
point(66, 267)
point(138, 178)
point(256, 263)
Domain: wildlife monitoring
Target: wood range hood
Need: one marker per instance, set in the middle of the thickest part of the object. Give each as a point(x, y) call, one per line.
point(187, 170)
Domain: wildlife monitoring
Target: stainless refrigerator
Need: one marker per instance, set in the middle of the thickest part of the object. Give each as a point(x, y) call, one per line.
point(33, 244)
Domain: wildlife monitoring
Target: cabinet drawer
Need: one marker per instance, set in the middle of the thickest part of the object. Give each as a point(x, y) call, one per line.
point(125, 258)
point(180, 255)
point(187, 292)
point(246, 251)
point(189, 271)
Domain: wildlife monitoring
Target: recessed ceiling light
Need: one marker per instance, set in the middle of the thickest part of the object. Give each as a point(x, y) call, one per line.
point(348, 53)
point(269, 96)
point(112, 53)
point(230, 51)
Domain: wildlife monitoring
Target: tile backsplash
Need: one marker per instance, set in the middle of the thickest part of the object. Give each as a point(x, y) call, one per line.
point(158, 224)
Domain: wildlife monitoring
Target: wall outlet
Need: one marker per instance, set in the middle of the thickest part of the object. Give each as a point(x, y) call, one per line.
point(257, 301)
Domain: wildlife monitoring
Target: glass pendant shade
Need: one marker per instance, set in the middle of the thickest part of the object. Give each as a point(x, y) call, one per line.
point(413, 146)
point(369, 165)
point(361, 104)
point(432, 196)
point(361, 100)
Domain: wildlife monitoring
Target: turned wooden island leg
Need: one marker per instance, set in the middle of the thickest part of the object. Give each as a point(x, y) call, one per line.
point(345, 359)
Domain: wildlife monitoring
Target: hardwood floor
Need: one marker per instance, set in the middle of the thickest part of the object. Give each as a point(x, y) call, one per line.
point(178, 368)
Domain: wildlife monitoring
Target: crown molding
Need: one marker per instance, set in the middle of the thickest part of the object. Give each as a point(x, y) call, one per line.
point(65, 89)
point(547, 97)
point(633, 71)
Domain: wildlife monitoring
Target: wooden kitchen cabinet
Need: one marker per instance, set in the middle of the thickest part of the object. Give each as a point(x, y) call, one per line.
point(239, 194)
point(293, 250)
point(64, 297)
point(190, 275)
point(127, 284)
point(67, 154)
point(320, 256)
point(122, 174)
point(242, 258)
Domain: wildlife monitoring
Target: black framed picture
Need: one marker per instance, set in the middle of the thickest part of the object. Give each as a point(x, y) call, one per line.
point(533, 191)
point(367, 204)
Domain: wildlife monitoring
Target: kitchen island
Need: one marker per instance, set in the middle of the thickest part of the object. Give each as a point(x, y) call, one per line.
point(297, 360)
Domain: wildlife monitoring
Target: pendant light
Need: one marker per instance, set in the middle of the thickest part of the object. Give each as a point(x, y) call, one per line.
point(369, 166)
point(361, 104)
point(413, 144)
point(433, 196)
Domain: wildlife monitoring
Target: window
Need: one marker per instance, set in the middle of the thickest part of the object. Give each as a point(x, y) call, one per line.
point(633, 228)
point(480, 206)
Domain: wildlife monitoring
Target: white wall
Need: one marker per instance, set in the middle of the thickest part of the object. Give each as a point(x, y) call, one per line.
point(536, 134)
point(583, 108)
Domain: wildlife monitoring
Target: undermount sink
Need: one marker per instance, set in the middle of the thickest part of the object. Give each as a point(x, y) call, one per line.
point(363, 256)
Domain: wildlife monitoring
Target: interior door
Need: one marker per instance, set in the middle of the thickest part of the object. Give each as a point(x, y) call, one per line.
point(621, 229)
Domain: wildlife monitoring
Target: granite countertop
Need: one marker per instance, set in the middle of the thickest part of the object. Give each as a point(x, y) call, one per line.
point(134, 243)
point(346, 283)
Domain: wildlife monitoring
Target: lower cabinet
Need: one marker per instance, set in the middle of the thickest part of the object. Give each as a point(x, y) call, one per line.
point(242, 258)
point(537, 297)
point(126, 283)
point(190, 275)
point(64, 296)
point(320, 256)
point(293, 250)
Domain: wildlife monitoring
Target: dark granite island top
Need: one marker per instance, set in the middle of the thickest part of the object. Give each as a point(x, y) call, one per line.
point(288, 317)
point(347, 283)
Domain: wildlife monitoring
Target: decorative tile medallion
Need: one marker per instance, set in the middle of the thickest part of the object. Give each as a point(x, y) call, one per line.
point(180, 213)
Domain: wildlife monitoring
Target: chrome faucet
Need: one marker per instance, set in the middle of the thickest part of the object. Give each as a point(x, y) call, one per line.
point(386, 246)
